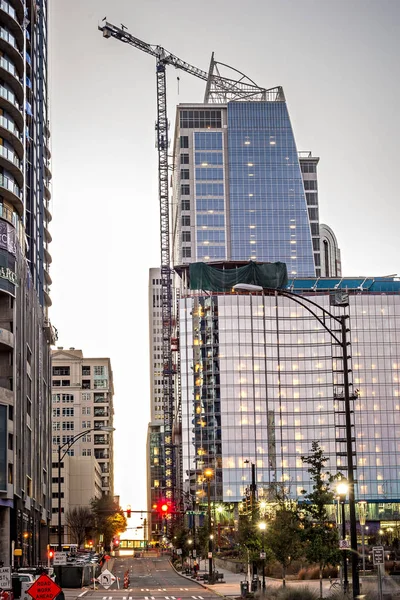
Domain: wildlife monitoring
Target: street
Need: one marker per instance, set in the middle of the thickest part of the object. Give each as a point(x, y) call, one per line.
point(151, 578)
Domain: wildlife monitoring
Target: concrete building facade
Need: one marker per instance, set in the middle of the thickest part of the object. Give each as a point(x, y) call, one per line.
point(26, 332)
point(82, 399)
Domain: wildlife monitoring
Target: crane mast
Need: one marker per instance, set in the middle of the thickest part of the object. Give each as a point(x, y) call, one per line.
point(219, 89)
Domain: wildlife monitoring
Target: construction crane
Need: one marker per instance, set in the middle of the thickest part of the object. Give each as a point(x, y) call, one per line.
point(219, 89)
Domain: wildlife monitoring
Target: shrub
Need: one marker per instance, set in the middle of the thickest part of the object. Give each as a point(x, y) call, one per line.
point(302, 574)
point(299, 593)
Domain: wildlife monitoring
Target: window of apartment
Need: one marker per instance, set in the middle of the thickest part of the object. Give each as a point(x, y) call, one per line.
point(56, 412)
point(185, 189)
point(85, 371)
point(10, 441)
point(99, 370)
point(67, 398)
point(100, 397)
point(56, 425)
point(56, 440)
point(186, 237)
point(71, 452)
point(28, 487)
point(11, 413)
point(86, 410)
point(87, 438)
point(86, 396)
point(86, 384)
point(68, 425)
point(86, 452)
point(10, 473)
point(307, 168)
point(86, 424)
point(185, 174)
point(184, 141)
point(185, 205)
point(55, 480)
point(68, 411)
point(312, 199)
point(57, 371)
point(314, 228)
point(55, 495)
point(28, 407)
point(67, 438)
point(310, 185)
point(184, 159)
point(186, 220)
point(56, 398)
point(313, 214)
point(65, 383)
point(56, 383)
point(186, 252)
point(100, 383)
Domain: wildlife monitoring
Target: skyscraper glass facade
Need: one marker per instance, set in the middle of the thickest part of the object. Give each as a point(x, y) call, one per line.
point(268, 211)
point(262, 379)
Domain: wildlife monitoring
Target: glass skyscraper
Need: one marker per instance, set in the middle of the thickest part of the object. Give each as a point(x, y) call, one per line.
point(238, 187)
point(261, 379)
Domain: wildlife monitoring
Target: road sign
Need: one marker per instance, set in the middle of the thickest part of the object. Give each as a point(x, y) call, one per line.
point(378, 555)
point(5, 578)
point(344, 544)
point(44, 588)
point(60, 558)
point(179, 550)
point(106, 579)
point(194, 553)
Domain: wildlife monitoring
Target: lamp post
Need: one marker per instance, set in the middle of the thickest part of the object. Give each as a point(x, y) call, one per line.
point(362, 515)
point(342, 489)
point(67, 446)
point(262, 526)
point(208, 474)
point(339, 335)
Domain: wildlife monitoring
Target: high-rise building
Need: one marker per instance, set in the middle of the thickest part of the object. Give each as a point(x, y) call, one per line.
point(26, 333)
point(82, 400)
point(261, 379)
point(331, 264)
point(239, 192)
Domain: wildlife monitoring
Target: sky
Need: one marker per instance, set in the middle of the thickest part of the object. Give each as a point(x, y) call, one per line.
point(338, 64)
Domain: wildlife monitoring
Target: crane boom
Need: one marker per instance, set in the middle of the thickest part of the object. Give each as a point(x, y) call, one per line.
point(162, 55)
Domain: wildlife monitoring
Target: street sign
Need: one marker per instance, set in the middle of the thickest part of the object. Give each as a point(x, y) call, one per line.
point(378, 555)
point(194, 553)
point(106, 579)
point(209, 555)
point(263, 555)
point(60, 558)
point(344, 544)
point(179, 550)
point(5, 578)
point(44, 588)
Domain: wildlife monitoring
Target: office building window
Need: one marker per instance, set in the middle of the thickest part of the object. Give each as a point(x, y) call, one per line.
point(56, 398)
point(68, 425)
point(186, 252)
point(99, 370)
point(185, 189)
point(86, 396)
point(184, 159)
point(186, 236)
point(85, 371)
point(185, 220)
point(56, 412)
point(185, 174)
point(68, 412)
point(184, 141)
point(67, 398)
point(185, 205)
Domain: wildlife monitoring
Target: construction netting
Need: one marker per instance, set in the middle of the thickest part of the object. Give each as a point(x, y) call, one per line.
point(206, 277)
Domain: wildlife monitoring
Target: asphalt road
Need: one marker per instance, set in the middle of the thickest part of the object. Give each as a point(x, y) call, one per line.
point(150, 578)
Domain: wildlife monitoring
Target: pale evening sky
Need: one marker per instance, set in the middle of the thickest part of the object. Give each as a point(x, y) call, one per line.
point(338, 64)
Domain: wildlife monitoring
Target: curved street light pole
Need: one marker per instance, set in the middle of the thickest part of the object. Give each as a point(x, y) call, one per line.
point(340, 337)
point(67, 445)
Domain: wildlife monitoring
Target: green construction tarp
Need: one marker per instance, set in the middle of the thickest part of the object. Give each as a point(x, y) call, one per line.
point(206, 277)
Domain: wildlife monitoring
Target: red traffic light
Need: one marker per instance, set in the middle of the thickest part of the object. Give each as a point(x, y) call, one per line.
point(164, 508)
point(51, 553)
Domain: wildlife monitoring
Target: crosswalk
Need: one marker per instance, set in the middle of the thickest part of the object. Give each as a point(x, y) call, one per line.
point(152, 597)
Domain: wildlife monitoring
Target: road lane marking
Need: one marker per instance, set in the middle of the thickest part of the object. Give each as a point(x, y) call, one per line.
point(83, 593)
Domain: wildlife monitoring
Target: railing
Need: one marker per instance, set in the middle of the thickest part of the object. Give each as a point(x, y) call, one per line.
point(7, 124)
point(10, 96)
point(8, 9)
point(8, 37)
point(7, 183)
point(11, 156)
point(8, 66)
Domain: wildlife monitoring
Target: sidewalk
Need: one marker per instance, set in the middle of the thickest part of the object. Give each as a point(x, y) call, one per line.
point(231, 587)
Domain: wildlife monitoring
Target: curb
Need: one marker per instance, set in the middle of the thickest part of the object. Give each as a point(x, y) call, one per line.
point(206, 587)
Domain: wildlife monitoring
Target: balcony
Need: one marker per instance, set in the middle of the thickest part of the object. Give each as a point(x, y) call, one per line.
point(10, 161)
point(100, 398)
point(10, 190)
point(10, 75)
point(9, 132)
point(10, 19)
point(100, 412)
point(9, 102)
point(100, 440)
point(48, 214)
point(8, 45)
point(6, 339)
point(19, 9)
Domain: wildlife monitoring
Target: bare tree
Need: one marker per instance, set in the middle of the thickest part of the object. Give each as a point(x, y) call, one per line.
point(79, 520)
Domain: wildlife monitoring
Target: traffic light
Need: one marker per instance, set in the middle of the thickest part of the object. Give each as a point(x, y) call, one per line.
point(164, 508)
point(128, 512)
point(51, 554)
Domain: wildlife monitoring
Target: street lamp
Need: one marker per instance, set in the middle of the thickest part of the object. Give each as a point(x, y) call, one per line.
point(342, 489)
point(340, 337)
point(67, 445)
point(262, 526)
point(362, 515)
point(208, 474)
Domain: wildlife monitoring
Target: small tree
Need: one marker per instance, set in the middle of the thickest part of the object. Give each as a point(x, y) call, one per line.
point(321, 537)
point(283, 536)
point(79, 520)
point(109, 518)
